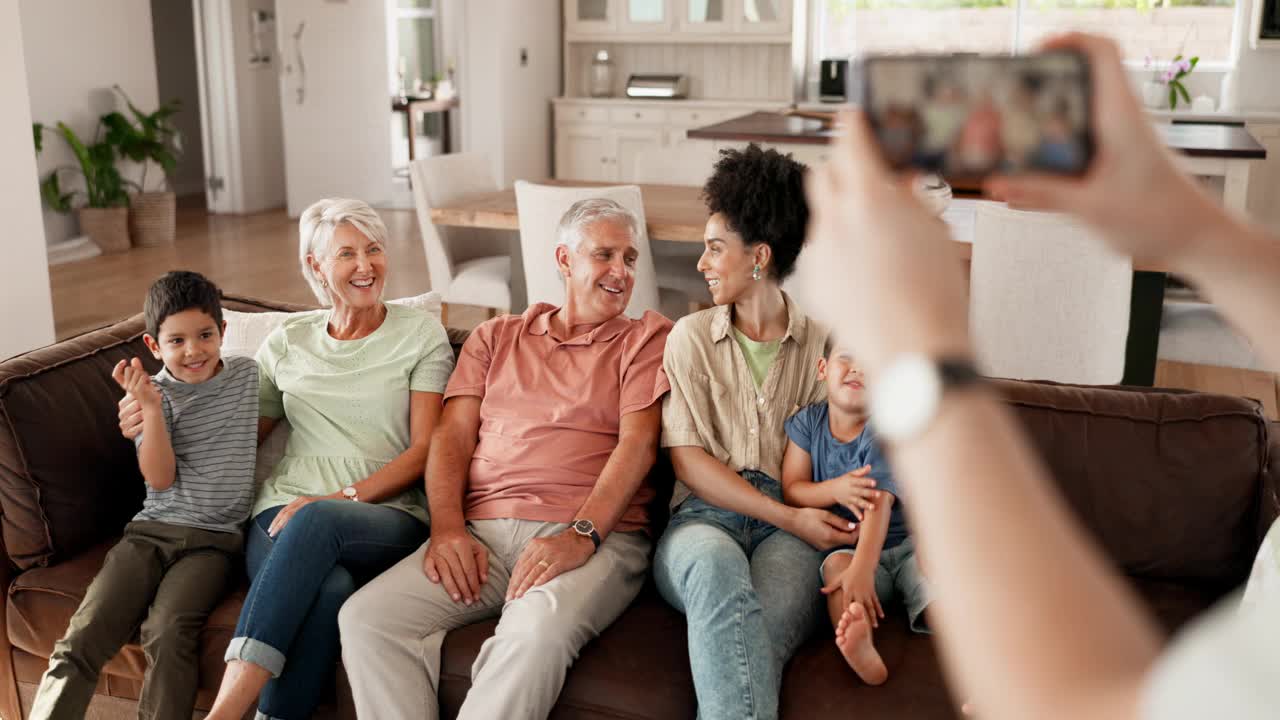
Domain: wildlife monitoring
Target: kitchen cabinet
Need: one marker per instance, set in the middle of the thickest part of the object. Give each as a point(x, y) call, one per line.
point(644, 16)
point(1264, 176)
point(599, 140)
point(698, 21)
point(735, 17)
point(591, 16)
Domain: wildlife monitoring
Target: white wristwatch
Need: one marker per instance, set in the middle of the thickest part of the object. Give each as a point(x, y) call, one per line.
point(906, 395)
point(349, 492)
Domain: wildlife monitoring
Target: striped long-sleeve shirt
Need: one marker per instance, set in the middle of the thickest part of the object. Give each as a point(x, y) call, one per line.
point(213, 428)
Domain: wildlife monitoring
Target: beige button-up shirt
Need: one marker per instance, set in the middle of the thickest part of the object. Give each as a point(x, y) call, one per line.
point(714, 403)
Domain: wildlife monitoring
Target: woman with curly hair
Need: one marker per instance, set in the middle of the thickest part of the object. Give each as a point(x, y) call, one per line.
point(735, 559)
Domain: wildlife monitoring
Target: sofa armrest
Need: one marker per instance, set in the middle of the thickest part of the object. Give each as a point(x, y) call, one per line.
point(10, 707)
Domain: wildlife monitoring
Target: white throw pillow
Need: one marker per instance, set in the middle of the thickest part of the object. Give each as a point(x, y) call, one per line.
point(246, 331)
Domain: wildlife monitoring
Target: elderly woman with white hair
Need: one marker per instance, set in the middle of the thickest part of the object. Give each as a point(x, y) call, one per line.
point(361, 385)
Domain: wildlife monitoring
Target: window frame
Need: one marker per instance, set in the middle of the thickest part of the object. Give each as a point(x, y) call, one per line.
point(812, 56)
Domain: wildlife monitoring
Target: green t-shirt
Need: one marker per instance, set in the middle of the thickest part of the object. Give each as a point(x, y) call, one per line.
point(347, 400)
point(759, 355)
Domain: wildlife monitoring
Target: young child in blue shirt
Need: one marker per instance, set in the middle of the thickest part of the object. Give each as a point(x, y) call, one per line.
point(832, 445)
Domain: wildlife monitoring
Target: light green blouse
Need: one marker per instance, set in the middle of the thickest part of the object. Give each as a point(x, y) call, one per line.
point(759, 355)
point(347, 400)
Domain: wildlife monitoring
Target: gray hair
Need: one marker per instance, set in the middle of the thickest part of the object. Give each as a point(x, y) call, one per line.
point(318, 224)
point(590, 211)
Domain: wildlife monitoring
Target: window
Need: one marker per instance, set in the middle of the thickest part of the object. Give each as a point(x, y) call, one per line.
point(416, 43)
point(1157, 29)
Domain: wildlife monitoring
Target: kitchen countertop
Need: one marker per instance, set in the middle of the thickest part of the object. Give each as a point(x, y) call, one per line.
point(1220, 141)
point(676, 103)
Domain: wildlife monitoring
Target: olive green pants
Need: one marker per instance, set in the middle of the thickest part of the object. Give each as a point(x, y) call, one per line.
point(161, 581)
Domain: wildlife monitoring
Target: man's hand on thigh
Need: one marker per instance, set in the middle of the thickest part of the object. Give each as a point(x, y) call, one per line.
point(545, 558)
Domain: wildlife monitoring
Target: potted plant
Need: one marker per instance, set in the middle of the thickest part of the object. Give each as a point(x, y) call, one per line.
point(148, 138)
point(104, 216)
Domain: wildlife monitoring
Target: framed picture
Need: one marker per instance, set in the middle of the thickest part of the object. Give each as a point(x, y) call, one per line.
point(1266, 25)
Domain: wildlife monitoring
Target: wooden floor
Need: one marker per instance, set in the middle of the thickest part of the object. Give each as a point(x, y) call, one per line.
point(257, 255)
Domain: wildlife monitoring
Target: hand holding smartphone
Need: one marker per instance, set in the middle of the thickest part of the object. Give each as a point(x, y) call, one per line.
point(969, 116)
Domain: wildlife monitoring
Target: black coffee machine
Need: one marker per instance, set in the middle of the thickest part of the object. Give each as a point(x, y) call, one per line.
point(831, 83)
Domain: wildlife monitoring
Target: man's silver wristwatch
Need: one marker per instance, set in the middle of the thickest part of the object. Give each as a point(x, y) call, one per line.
point(906, 395)
point(349, 492)
point(586, 528)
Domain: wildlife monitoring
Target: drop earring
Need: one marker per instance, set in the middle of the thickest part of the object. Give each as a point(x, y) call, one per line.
point(755, 273)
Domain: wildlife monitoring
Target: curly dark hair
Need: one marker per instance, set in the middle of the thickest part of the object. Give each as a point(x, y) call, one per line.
point(177, 291)
point(761, 195)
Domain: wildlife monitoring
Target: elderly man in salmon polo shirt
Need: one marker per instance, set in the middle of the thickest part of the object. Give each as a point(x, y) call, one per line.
point(536, 487)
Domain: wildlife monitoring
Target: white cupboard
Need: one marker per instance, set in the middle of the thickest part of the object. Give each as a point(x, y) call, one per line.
point(599, 140)
point(736, 21)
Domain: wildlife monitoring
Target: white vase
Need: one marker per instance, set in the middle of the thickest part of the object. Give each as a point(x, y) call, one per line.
point(1155, 95)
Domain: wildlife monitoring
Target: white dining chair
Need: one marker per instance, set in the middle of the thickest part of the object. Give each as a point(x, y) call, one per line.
point(540, 208)
point(1047, 300)
point(468, 266)
point(676, 262)
point(1193, 331)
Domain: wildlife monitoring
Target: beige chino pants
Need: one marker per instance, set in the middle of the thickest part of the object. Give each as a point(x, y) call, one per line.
point(393, 628)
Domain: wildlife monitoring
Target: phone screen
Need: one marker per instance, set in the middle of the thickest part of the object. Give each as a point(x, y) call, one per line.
point(968, 116)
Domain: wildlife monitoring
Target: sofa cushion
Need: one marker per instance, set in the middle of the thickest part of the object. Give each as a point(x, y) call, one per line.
point(68, 479)
point(1133, 466)
point(639, 666)
point(42, 600)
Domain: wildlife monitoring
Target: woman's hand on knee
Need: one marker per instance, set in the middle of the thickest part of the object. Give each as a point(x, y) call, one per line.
point(286, 514)
point(458, 561)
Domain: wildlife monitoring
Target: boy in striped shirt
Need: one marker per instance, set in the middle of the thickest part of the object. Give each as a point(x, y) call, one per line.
point(196, 453)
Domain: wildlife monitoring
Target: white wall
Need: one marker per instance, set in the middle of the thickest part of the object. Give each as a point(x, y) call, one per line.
point(258, 108)
point(1255, 85)
point(506, 106)
point(26, 307)
point(173, 34)
point(74, 52)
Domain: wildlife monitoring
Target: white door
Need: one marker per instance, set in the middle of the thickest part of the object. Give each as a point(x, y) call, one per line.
point(583, 153)
point(335, 98)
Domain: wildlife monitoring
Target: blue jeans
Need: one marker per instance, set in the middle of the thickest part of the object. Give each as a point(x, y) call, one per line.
point(301, 578)
point(746, 589)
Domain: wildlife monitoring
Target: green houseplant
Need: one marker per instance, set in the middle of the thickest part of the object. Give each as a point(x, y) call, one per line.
point(103, 212)
point(145, 139)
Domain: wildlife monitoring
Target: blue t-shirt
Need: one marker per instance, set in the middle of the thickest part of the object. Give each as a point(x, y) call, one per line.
point(810, 429)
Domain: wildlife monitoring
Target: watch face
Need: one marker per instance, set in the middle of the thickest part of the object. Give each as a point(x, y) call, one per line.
point(349, 491)
point(583, 527)
point(905, 397)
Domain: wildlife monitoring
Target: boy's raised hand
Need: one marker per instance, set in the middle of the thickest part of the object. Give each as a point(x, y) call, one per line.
point(856, 491)
point(133, 378)
point(859, 585)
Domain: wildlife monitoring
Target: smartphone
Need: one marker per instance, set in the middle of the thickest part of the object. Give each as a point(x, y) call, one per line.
point(968, 116)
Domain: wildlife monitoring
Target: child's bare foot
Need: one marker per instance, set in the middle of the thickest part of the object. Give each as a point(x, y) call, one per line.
point(853, 637)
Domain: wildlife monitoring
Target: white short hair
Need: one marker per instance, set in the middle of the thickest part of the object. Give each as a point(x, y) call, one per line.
point(593, 210)
point(318, 224)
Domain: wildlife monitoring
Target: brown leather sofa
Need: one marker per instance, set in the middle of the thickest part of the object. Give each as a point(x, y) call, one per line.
point(1178, 489)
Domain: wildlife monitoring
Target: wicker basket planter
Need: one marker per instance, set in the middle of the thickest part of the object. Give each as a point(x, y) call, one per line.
point(108, 228)
point(151, 218)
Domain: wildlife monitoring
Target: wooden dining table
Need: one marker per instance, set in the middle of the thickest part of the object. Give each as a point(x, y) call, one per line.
point(673, 213)
point(677, 213)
